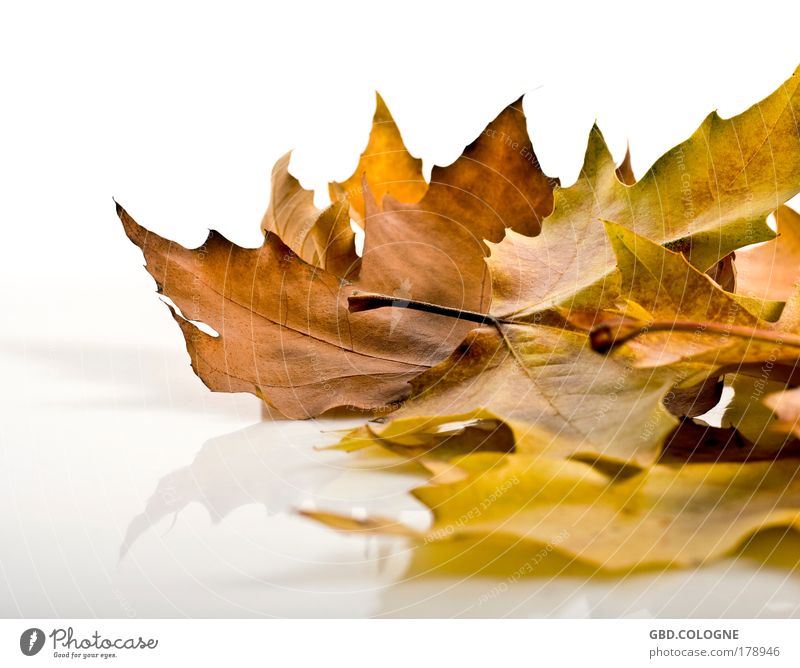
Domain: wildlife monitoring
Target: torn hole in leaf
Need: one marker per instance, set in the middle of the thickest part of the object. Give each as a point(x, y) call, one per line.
point(202, 326)
point(713, 416)
point(772, 223)
point(358, 241)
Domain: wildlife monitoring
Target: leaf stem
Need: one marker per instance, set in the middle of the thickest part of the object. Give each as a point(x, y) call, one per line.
point(367, 301)
point(612, 333)
point(603, 338)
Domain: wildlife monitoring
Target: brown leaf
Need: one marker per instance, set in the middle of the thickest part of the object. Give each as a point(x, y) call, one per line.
point(322, 238)
point(284, 330)
point(698, 443)
point(625, 169)
point(434, 250)
point(696, 399)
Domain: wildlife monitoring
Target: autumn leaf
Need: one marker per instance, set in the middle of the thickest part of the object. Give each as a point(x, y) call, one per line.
point(665, 516)
point(669, 312)
point(433, 250)
point(556, 394)
point(387, 165)
point(547, 354)
point(574, 262)
point(705, 198)
point(284, 332)
point(321, 238)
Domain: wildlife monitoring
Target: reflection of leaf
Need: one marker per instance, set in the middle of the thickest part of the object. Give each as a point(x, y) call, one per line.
point(361, 526)
point(232, 471)
point(665, 516)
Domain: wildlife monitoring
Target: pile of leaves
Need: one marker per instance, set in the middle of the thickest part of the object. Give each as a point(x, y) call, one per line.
point(544, 352)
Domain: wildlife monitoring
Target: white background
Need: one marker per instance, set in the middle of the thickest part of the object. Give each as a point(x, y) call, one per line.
point(179, 112)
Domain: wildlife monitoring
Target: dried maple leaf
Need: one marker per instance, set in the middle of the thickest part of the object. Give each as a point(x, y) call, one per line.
point(536, 372)
point(706, 197)
point(436, 245)
point(556, 342)
point(669, 312)
point(281, 315)
point(283, 328)
point(557, 396)
point(322, 238)
point(388, 166)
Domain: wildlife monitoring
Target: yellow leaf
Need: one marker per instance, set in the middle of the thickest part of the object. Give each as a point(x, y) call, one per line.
point(662, 517)
point(705, 198)
point(674, 313)
point(387, 166)
point(558, 396)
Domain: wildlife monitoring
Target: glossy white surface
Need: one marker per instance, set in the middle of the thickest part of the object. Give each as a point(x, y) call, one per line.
point(128, 489)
